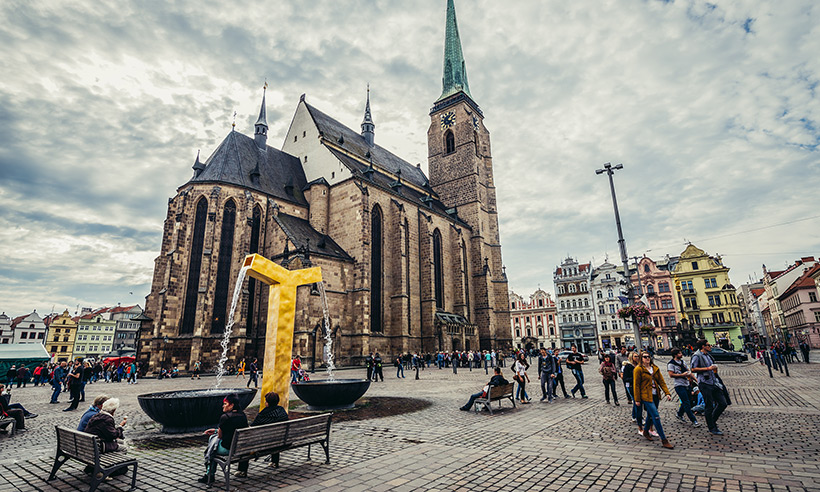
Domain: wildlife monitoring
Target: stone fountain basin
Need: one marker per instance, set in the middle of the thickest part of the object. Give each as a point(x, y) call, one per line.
point(190, 410)
point(331, 395)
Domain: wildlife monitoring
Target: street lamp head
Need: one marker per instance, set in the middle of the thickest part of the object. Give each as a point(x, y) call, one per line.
point(600, 171)
point(619, 166)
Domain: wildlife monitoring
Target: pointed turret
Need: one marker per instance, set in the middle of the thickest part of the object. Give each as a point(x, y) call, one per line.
point(198, 166)
point(368, 127)
point(261, 133)
point(455, 71)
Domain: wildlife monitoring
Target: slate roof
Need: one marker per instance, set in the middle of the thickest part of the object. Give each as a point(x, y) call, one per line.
point(238, 156)
point(803, 281)
point(301, 233)
point(355, 143)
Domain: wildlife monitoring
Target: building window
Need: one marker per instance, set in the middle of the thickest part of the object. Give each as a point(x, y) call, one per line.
point(663, 287)
point(586, 302)
point(223, 269)
point(571, 288)
point(562, 305)
point(609, 293)
point(540, 331)
point(646, 268)
point(612, 309)
point(600, 295)
point(376, 270)
point(550, 317)
point(438, 270)
point(529, 332)
point(694, 265)
point(253, 247)
point(517, 333)
point(601, 309)
point(812, 297)
point(192, 287)
point(603, 325)
point(540, 302)
point(650, 289)
point(561, 289)
point(449, 142)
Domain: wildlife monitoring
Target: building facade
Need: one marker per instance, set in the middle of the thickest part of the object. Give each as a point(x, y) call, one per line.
point(410, 263)
point(801, 309)
point(774, 283)
point(61, 335)
point(576, 312)
point(29, 328)
point(125, 334)
point(708, 302)
point(654, 280)
point(6, 333)
point(95, 334)
point(608, 288)
point(534, 321)
point(748, 295)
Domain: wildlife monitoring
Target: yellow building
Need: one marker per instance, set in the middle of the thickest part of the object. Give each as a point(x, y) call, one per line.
point(706, 298)
point(61, 333)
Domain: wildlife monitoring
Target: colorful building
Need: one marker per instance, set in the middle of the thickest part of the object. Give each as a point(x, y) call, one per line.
point(801, 309)
point(29, 328)
point(608, 288)
point(576, 313)
point(125, 336)
point(775, 282)
point(95, 334)
point(534, 321)
point(61, 333)
point(654, 280)
point(6, 333)
point(707, 300)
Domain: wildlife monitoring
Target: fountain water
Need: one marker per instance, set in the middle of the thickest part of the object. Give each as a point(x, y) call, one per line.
point(226, 338)
point(328, 353)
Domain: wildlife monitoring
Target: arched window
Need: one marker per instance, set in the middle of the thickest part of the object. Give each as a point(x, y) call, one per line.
point(646, 268)
point(571, 288)
point(609, 293)
point(476, 142)
point(376, 270)
point(192, 286)
point(650, 289)
point(223, 269)
point(576, 318)
point(574, 304)
point(529, 331)
point(253, 247)
point(552, 330)
point(600, 295)
point(562, 305)
point(407, 271)
point(586, 302)
point(465, 279)
point(560, 289)
point(449, 142)
point(540, 331)
point(564, 318)
point(438, 270)
point(588, 318)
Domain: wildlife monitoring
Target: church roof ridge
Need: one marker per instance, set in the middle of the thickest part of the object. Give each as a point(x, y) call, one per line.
point(301, 233)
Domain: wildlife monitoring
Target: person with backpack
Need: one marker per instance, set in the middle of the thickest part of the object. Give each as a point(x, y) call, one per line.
point(681, 375)
point(609, 374)
point(710, 387)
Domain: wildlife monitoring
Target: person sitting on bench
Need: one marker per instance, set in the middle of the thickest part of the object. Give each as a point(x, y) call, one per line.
point(496, 380)
point(271, 414)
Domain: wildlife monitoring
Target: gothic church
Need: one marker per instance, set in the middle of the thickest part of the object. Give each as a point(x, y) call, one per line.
point(410, 263)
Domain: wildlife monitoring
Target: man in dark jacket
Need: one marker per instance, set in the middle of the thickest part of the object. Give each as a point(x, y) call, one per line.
point(546, 369)
point(377, 368)
point(111, 436)
point(15, 413)
point(271, 414)
point(496, 380)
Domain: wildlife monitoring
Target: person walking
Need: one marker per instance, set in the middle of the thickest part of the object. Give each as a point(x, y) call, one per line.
point(521, 376)
point(241, 369)
point(197, 367)
point(620, 361)
point(704, 366)
point(629, 367)
point(377, 368)
point(368, 361)
point(57, 378)
point(399, 367)
point(559, 376)
point(546, 371)
point(804, 347)
point(681, 375)
point(609, 375)
point(575, 361)
point(75, 381)
point(253, 373)
point(648, 384)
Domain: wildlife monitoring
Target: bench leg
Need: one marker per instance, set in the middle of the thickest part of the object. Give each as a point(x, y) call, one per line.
point(57, 464)
point(134, 478)
point(326, 446)
point(227, 470)
point(308, 452)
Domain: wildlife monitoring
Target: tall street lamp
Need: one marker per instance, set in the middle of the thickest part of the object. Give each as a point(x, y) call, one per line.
point(609, 169)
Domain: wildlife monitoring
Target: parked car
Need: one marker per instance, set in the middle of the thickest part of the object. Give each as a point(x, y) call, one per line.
point(719, 354)
point(565, 353)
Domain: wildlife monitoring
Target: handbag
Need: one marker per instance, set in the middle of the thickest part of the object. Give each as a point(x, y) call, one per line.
point(724, 390)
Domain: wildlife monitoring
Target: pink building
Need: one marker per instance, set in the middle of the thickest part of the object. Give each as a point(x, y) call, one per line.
point(655, 280)
point(801, 309)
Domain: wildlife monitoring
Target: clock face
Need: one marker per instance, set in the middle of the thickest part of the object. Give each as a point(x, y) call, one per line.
point(448, 119)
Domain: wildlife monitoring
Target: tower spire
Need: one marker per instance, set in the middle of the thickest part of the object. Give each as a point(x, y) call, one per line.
point(368, 127)
point(455, 71)
point(261, 133)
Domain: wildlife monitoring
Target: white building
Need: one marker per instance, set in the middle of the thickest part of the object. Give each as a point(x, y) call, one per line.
point(576, 313)
point(534, 321)
point(6, 333)
point(29, 328)
point(125, 335)
point(608, 285)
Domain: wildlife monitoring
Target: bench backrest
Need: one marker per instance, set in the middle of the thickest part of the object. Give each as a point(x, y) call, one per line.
point(290, 432)
point(501, 391)
point(79, 445)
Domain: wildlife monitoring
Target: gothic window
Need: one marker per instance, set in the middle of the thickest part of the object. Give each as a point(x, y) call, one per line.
point(223, 269)
point(476, 142)
point(195, 262)
point(256, 224)
point(449, 142)
point(465, 278)
point(438, 270)
point(376, 270)
point(407, 270)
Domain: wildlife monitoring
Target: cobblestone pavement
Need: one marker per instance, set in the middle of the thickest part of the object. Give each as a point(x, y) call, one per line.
point(771, 442)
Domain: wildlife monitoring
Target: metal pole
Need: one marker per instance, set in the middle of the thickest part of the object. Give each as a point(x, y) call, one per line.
point(609, 169)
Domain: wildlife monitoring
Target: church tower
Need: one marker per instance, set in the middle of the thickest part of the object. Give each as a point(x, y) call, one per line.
point(461, 173)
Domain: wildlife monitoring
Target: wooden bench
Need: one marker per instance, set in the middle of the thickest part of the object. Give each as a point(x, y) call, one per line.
point(257, 441)
point(5, 422)
point(496, 393)
point(85, 448)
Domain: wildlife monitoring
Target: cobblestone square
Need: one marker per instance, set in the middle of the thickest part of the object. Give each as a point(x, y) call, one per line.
point(770, 442)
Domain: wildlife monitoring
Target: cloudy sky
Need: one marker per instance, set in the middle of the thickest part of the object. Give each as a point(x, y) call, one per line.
point(712, 107)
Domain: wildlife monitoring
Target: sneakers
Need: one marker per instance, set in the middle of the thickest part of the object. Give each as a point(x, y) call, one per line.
point(31, 416)
point(204, 478)
point(241, 474)
point(716, 431)
point(653, 433)
point(696, 424)
point(680, 417)
point(584, 396)
point(634, 419)
point(464, 409)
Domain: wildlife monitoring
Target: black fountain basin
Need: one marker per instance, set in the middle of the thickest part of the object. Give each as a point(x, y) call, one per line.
point(190, 410)
point(331, 395)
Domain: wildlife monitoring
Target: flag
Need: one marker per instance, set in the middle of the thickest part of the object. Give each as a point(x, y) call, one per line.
point(644, 300)
point(624, 300)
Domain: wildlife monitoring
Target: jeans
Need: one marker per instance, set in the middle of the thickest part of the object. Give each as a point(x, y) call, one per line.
point(715, 403)
point(220, 450)
point(559, 379)
point(473, 398)
point(609, 384)
point(579, 385)
point(522, 393)
point(652, 417)
point(628, 391)
point(58, 388)
point(547, 386)
point(636, 411)
point(400, 370)
point(685, 403)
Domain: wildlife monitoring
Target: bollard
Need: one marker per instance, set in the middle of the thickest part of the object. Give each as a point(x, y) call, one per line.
point(768, 363)
point(786, 366)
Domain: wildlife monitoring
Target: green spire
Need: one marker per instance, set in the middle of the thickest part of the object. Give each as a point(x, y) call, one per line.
point(455, 71)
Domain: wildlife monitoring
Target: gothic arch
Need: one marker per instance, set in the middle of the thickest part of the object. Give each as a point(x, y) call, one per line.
point(219, 318)
point(194, 267)
point(376, 269)
point(253, 247)
point(438, 270)
point(449, 142)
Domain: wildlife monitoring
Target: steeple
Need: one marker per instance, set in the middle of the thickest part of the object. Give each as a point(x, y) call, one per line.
point(368, 127)
point(198, 166)
point(261, 133)
point(455, 71)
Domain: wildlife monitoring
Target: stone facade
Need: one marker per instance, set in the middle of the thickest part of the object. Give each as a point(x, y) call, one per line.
point(125, 335)
point(654, 280)
point(534, 321)
point(95, 334)
point(608, 287)
point(576, 312)
point(29, 329)
point(6, 333)
point(61, 333)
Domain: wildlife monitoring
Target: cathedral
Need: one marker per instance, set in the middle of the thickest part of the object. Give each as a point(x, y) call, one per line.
point(410, 262)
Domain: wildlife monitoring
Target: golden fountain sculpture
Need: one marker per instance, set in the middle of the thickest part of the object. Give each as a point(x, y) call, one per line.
point(281, 313)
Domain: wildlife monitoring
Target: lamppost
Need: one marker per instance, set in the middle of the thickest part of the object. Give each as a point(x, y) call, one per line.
point(609, 169)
